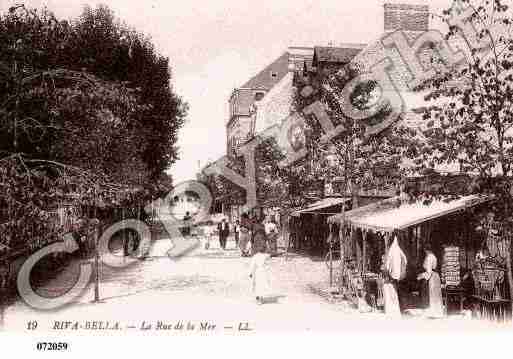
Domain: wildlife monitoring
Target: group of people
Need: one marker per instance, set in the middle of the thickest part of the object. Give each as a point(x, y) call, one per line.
point(394, 271)
point(253, 237)
point(249, 233)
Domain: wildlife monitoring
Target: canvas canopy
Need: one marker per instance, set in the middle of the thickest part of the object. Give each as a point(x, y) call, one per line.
point(390, 214)
point(320, 205)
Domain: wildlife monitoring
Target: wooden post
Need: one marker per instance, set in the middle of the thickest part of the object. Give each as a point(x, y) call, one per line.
point(351, 241)
point(97, 268)
point(125, 243)
point(354, 235)
point(287, 228)
point(342, 242)
point(330, 236)
point(417, 243)
point(364, 250)
point(96, 256)
point(466, 239)
point(341, 235)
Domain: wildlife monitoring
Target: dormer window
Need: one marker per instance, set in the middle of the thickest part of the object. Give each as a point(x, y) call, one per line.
point(259, 96)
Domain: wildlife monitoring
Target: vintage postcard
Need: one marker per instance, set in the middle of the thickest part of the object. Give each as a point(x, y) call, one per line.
point(238, 168)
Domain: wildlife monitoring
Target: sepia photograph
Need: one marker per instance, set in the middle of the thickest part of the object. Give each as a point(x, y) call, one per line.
point(237, 169)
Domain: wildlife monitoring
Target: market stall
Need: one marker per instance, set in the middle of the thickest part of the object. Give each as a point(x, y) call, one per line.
point(308, 226)
point(444, 223)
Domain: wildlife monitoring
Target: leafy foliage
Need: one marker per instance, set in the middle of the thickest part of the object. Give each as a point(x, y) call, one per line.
point(363, 162)
point(87, 116)
point(470, 124)
point(132, 91)
point(272, 188)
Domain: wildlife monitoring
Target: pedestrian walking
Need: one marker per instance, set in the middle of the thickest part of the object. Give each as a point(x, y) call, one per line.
point(245, 236)
point(187, 229)
point(224, 232)
point(206, 234)
point(271, 231)
point(78, 233)
point(236, 232)
point(259, 274)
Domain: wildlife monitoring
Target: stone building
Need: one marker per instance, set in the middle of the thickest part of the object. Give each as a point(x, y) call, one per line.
point(266, 99)
point(248, 103)
point(261, 102)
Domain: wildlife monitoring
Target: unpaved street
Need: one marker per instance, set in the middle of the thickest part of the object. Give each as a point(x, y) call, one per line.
point(208, 285)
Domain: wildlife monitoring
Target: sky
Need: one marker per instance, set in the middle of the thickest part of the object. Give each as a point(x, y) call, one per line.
point(215, 46)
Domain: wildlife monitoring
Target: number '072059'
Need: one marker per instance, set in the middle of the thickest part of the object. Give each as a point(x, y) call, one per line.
point(50, 346)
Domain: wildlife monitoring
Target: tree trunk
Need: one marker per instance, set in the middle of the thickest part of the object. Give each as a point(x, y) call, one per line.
point(342, 242)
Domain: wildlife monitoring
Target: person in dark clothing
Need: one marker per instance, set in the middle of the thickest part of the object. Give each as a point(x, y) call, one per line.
point(187, 228)
point(224, 231)
point(236, 232)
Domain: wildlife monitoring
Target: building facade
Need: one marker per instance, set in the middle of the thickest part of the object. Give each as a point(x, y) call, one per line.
point(266, 99)
point(248, 103)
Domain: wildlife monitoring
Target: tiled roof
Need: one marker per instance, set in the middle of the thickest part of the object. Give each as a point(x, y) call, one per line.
point(264, 80)
point(276, 105)
point(334, 54)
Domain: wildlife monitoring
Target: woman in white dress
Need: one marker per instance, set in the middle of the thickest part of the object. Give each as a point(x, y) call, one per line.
point(209, 232)
point(434, 290)
point(259, 274)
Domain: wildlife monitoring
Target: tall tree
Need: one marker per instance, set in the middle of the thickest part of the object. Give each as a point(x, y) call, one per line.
point(364, 162)
point(44, 60)
point(104, 47)
point(69, 132)
point(469, 117)
point(471, 121)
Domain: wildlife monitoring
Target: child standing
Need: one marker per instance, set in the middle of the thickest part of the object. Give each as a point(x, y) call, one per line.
point(259, 274)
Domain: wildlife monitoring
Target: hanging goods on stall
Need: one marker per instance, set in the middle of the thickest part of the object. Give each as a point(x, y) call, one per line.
point(503, 246)
point(488, 277)
point(451, 266)
point(493, 237)
point(396, 261)
point(492, 243)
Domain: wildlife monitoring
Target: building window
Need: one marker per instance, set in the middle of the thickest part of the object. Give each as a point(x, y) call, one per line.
point(259, 96)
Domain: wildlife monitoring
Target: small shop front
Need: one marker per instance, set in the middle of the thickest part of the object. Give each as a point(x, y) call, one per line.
point(469, 279)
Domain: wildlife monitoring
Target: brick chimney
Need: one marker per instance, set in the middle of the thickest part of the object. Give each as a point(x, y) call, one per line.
point(405, 17)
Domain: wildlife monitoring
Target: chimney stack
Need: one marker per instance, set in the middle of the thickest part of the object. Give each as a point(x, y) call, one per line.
point(405, 17)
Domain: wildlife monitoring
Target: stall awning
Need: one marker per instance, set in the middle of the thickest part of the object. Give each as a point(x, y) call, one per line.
point(320, 205)
point(389, 215)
